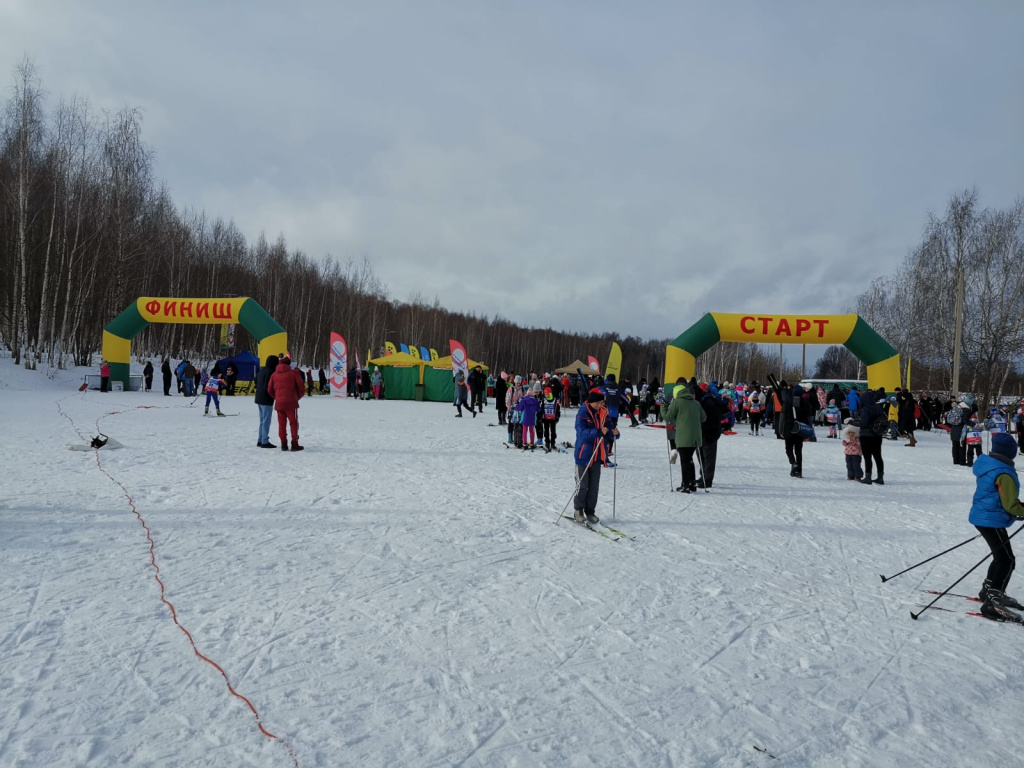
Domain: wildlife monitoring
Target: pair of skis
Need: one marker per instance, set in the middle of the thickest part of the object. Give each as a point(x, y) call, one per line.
point(618, 535)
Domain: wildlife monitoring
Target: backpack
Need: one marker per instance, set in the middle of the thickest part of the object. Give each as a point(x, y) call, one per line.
point(955, 417)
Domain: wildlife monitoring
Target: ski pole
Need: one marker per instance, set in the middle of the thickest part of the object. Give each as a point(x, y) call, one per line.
point(887, 578)
point(579, 481)
point(986, 557)
point(700, 463)
point(614, 467)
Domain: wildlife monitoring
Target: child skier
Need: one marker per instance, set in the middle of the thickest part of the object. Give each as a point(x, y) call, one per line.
point(551, 412)
point(528, 407)
point(755, 407)
point(832, 415)
point(994, 509)
point(851, 447)
point(972, 438)
point(212, 388)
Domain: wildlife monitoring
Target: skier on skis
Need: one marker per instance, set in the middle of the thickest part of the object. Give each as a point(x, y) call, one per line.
point(212, 389)
point(591, 431)
point(995, 508)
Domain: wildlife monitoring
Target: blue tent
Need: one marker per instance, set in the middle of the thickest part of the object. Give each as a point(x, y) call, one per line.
point(245, 362)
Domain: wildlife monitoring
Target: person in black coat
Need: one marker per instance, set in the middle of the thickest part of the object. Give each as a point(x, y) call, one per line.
point(265, 401)
point(323, 381)
point(794, 409)
point(477, 386)
point(147, 375)
point(905, 405)
point(871, 439)
point(500, 391)
point(711, 430)
point(165, 369)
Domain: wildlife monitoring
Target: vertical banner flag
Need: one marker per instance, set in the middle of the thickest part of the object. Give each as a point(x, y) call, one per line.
point(231, 336)
point(414, 351)
point(424, 354)
point(224, 338)
point(390, 348)
point(594, 365)
point(404, 348)
point(460, 361)
point(358, 364)
point(433, 354)
point(339, 365)
point(614, 366)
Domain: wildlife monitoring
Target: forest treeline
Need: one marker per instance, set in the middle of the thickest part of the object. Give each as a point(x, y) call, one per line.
point(86, 227)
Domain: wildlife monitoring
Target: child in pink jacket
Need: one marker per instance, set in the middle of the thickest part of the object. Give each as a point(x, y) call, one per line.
point(851, 447)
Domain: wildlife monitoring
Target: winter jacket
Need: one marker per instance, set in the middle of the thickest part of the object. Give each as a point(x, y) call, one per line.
point(286, 387)
point(550, 409)
point(477, 381)
point(376, 379)
point(987, 509)
point(263, 379)
point(528, 406)
point(851, 440)
point(165, 369)
point(907, 420)
point(687, 416)
point(794, 409)
point(500, 391)
point(836, 394)
point(869, 411)
point(853, 400)
point(148, 370)
point(105, 369)
point(711, 429)
point(589, 421)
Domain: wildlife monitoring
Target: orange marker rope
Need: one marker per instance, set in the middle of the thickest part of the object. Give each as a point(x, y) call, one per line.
point(168, 603)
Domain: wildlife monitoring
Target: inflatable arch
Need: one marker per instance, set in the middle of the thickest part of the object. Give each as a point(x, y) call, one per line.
point(882, 361)
point(118, 335)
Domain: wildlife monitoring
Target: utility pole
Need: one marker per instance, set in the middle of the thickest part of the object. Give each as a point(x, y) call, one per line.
point(780, 362)
point(803, 363)
point(958, 332)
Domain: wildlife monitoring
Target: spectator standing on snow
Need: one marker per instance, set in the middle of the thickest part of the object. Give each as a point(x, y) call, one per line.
point(852, 450)
point(309, 382)
point(551, 412)
point(873, 426)
point(832, 418)
point(907, 416)
point(376, 380)
point(147, 375)
point(500, 391)
point(322, 380)
point(188, 377)
point(477, 385)
point(165, 369)
point(265, 402)
point(104, 376)
point(529, 407)
point(853, 402)
point(590, 455)
point(686, 416)
point(956, 417)
point(995, 508)
point(711, 431)
point(230, 379)
point(795, 411)
point(287, 388)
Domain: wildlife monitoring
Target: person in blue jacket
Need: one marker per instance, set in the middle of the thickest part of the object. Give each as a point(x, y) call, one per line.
point(590, 454)
point(995, 508)
point(853, 403)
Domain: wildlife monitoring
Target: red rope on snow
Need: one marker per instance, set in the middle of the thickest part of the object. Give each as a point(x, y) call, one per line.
point(168, 603)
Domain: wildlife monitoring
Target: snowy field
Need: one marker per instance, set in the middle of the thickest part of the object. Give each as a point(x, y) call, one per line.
point(399, 595)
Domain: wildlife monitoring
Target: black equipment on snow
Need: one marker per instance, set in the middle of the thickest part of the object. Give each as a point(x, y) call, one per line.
point(99, 441)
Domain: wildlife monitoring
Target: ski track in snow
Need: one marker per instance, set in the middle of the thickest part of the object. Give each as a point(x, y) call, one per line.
point(400, 594)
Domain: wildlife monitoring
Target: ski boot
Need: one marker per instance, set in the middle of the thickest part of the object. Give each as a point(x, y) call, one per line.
point(989, 593)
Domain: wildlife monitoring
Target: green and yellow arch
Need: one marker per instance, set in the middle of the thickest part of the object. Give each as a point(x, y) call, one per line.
point(881, 359)
point(118, 335)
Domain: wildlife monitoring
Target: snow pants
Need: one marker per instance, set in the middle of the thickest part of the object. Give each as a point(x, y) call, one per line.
point(589, 480)
point(1003, 561)
point(971, 452)
point(871, 447)
point(284, 418)
point(853, 469)
point(795, 451)
point(959, 452)
point(216, 400)
point(686, 464)
point(708, 456)
point(755, 423)
point(549, 433)
point(529, 435)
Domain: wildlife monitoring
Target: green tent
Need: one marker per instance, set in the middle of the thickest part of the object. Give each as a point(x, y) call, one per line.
point(404, 373)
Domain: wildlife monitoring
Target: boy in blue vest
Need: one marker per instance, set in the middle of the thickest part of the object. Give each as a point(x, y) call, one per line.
point(995, 508)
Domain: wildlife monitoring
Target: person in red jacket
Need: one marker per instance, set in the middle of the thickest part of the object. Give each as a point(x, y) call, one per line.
point(287, 387)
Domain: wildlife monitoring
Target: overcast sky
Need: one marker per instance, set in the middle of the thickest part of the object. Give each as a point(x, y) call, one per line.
point(595, 166)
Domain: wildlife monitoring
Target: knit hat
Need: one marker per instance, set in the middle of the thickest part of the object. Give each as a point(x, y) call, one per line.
point(548, 394)
point(595, 396)
point(1004, 445)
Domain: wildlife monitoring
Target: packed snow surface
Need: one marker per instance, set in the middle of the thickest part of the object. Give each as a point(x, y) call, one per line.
point(399, 594)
